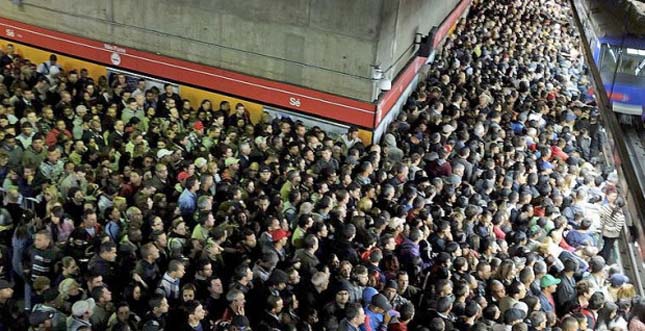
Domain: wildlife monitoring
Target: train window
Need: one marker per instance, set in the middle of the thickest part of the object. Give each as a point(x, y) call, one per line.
point(609, 58)
point(628, 60)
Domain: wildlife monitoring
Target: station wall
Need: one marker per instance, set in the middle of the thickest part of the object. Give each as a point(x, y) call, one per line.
point(195, 95)
point(326, 45)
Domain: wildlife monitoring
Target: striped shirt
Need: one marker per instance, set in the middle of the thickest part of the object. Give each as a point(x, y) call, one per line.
point(612, 220)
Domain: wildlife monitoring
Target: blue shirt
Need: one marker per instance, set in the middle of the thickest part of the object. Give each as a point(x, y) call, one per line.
point(113, 229)
point(187, 202)
point(576, 238)
point(372, 321)
point(545, 303)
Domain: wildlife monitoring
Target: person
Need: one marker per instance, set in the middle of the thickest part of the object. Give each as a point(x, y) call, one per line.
point(489, 169)
point(407, 314)
point(171, 279)
point(377, 314)
point(104, 264)
point(155, 319)
point(612, 221)
point(608, 318)
point(354, 318)
point(195, 315)
point(334, 311)
point(11, 318)
point(103, 307)
point(270, 319)
point(82, 311)
point(637, 320)
point(50, 68)
point(188, 199)
point(49, 307)
point(566, 290)
point(40, 320)
point(548, 284)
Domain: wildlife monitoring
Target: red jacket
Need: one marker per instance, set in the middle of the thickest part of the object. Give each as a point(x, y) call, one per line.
point(398, 327)
point(52, 137)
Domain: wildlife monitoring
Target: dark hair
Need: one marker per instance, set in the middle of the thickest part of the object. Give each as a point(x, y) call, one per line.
point(437, 324)
point(173, 265)
point(190, 182)
point(97, 292)
point(201, 263)
point(596, 301)
point(272, 301)
point(106, 247)
point(309, 241)
point(191, 306)
point(406, 311)
point(490, 312)
point(443, 305)
point(531, 301)
point(88, 212)
point(352, 310)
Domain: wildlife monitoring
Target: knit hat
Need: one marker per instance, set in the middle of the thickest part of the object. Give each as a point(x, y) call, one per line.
point(277, 277)
point(344, 285)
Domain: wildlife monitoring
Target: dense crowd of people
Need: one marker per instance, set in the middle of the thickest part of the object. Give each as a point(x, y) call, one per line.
point(485, 207)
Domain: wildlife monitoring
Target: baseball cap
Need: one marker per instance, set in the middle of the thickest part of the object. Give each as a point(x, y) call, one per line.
point(381, 301)
point(38, 317)
point(260, 140)
point(200, 162)
point(163, 153)
point(618, 280)
point(265, 168)
point(82, 306)
point(395, 222)
point(182, 176)
point(548, 280)
point(448, 128)
point(198, 125)
point(230, 161)
point(279, 234)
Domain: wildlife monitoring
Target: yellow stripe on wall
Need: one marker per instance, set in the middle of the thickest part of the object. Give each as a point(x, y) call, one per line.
point(196, 96)
point(38, 56)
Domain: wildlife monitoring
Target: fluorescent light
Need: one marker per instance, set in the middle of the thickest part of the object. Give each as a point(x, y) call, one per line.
point(633, 51)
